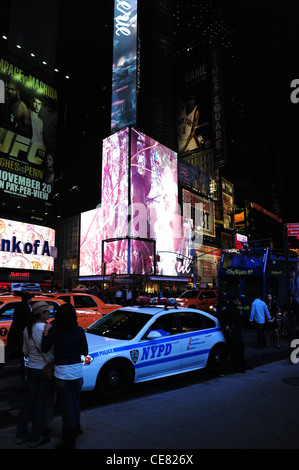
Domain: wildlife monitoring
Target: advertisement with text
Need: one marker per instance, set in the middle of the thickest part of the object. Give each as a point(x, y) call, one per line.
point(26, 246)
point(28, 121)
point(123, 112)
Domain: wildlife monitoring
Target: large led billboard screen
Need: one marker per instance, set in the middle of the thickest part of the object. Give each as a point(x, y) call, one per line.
point(110, 220)
point(26, 246)
point(154, 198)
point(91, 234)
point(129, 256)
point(28, 120)
point(124, 76)
point(139, 212)
point(115, 183)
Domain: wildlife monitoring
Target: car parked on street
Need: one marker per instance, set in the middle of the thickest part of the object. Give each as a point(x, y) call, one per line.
point(8, 302)
point(140, 343)
point(203, 299)
point(83, 301)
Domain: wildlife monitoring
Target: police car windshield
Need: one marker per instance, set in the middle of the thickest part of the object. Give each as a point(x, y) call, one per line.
point(120, 324)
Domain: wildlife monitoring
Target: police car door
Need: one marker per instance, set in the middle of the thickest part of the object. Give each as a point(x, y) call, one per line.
point(162, 355)
point(196, 340)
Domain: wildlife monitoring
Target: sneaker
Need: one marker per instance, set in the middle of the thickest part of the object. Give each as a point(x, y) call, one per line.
point(41, 442)
point(21, 440)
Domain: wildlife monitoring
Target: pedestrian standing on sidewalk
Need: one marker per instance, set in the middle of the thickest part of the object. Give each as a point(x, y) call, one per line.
point(38, 404)
point(129, 296)
point(14, 346)
point(232, 326)
point(258, 314)
point(119, 296)
point(273, 325)
point(69, 342)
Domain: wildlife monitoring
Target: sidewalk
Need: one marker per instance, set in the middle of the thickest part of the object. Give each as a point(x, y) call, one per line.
point(255, 410)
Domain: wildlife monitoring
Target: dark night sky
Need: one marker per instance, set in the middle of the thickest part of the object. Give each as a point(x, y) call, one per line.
point(268, 40)
point(269, 44)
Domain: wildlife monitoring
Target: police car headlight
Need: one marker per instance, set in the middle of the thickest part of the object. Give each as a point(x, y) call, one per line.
point(86, 360)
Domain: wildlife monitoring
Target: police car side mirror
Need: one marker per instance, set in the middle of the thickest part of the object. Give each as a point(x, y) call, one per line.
point(154, 334)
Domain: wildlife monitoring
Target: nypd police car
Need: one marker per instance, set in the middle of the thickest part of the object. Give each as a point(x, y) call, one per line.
point(136, 344)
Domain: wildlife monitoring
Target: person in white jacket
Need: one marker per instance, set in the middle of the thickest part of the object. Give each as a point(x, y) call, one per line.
point(40, 389)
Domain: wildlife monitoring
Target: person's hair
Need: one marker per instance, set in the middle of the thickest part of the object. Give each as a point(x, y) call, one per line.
point(35, 313)
point(31, 320)
point(66, 317)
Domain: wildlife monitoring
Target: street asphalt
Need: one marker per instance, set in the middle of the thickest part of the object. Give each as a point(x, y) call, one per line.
point(257, 409)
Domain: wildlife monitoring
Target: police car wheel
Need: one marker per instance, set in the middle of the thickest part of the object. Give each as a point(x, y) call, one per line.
point(217, 359)
point(114, 379)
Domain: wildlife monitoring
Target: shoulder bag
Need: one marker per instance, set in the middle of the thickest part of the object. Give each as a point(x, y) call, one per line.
point(48, 367)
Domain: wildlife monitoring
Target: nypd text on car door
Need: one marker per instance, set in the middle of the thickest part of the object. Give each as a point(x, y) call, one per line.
point(161, 354)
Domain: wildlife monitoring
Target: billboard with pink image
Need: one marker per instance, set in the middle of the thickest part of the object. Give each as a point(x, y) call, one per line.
point(129, 256)
point(154, 203)
point(115, 184)
point(139, 214)
point(110, 219)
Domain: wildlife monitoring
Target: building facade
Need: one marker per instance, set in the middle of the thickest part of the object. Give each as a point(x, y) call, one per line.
point(181, 86)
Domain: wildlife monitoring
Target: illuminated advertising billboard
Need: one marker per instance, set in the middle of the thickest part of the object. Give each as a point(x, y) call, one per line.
point(115, 183)
point(228, 204)
point(129, 256)
point(139, 213)
point(123, 112)
point(207, 223)
point(110, 219)
point(26, 246)
point(208, 260)
point(91, 234)
point(154, 203)
point(194, 177)
point(28, 120)
point(194, 120)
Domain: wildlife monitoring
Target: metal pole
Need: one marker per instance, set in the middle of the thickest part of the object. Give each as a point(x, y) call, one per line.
point(286, 252)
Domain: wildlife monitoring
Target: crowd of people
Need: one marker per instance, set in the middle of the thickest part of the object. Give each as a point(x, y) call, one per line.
point(61, 343)
point(56, 346)
point(266, 317)
point(127, 296)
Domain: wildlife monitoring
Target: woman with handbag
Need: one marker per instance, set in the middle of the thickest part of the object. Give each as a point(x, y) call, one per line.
point(38, 403)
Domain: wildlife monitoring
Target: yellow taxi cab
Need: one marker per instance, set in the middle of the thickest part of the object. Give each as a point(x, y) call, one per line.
point(84, 301)
point(202, 299)
point(8, 302)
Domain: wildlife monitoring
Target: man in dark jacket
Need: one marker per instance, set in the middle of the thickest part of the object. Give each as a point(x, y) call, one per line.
point(232, 326)
point(14, 347)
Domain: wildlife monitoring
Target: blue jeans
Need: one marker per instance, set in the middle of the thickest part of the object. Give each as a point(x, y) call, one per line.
point(38, 405)
point(68, 392)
